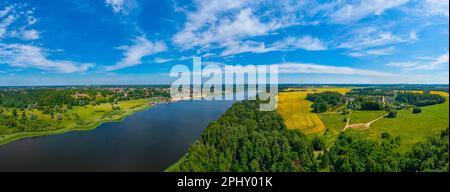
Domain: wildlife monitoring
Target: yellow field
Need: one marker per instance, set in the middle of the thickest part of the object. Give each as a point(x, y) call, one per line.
point(296, 110)
point(442, 93)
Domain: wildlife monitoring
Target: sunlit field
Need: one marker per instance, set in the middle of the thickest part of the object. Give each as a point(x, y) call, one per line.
point(296, 110)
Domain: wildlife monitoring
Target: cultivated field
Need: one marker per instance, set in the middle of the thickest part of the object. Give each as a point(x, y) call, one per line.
point(411, 128)
point(296, 110)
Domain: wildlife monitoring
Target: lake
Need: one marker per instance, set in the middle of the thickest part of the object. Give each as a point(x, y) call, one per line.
point(149, 140)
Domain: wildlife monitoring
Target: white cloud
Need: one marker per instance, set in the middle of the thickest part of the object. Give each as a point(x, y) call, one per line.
point(363, 8)
point(134, 54)
point(373, 52)
point(31, 20)
point(413, 36)
point(184, 58)
point(311, 68)
point(245, 47)
point(290, 43)
point(121, 6)
point(5, 11)
point(30, 35)
point(370, 37)
point(5, 23)
point(425, 64)
point(307, 43)
point(162, 60)
point(22, 18)
point(235, 26)
point(433, 8)
point(230, 23)
point(28, 56)
point(299, 68)
point(205, 28)
point(116, 5)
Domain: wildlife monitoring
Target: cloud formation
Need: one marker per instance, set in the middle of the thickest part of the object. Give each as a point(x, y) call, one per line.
point(121, 6)
point(133, 54)
point(363, 8)
point(28, 56)
point(300, 68)
point(373, 52)
point(426, 63)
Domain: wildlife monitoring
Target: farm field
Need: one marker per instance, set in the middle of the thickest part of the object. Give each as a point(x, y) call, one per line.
point(296, 110)
point(410, 127)
point(77, 118)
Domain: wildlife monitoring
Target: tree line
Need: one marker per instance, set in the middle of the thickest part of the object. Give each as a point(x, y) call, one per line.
point(246, 139)
point(419, 99)
point(322, 102)
point(42, 98)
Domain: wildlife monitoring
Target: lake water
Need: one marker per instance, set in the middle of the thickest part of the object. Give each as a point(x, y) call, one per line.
point(149, 140)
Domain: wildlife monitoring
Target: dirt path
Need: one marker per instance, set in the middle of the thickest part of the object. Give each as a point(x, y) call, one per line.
point(347, 124)
point(361, 126)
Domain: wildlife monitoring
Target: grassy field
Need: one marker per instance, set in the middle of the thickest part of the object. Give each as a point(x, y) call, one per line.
point(296, 110)
point(442, 93)
point(412, 128)
point(334, 123)
point(364, 116)
point(79, 118)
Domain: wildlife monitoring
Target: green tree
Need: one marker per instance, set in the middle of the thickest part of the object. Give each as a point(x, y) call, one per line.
point(318, 143)
point(392, 114)
point(417, 110)
point(59, 117)
point(24, 115)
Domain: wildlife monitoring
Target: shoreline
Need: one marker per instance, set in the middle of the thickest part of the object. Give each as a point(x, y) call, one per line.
point(18, 136)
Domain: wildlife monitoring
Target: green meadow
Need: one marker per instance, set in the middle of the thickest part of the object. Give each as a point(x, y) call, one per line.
point(410, 127)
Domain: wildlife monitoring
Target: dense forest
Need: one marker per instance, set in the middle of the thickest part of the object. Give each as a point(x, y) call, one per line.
point(372, 99)
point(50, 97)
point(431, 155)
point(21, 108)
point(246, 139)
point(322, 102)
point(352, 154)
point(419, 99)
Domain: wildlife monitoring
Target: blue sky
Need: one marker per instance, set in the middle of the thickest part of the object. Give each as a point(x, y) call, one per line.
point(66, 42)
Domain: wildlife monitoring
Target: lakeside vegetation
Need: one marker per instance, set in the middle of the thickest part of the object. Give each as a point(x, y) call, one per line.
point(352, 129)
point(366, 130)
point(245, 139)
point(29, 112)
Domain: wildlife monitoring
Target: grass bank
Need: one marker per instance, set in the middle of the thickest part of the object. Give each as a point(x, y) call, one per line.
point(90, 117)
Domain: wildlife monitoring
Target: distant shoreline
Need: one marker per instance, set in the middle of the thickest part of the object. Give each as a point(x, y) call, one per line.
point(18, 136)
point(282, 84)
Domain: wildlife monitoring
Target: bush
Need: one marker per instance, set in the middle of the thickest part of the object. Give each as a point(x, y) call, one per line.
point(345, 112)
point(392, 114)
point(417, 110)
point(385, 135)
point(371, 105)
point(59, 117)
point(318, 144)
point(319, 107)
